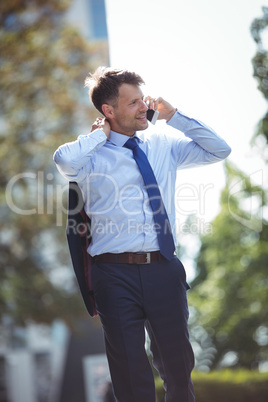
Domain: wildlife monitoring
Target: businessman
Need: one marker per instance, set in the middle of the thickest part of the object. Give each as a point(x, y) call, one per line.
point(127, 180)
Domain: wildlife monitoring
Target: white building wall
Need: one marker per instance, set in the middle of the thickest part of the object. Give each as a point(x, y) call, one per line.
point(20, 378)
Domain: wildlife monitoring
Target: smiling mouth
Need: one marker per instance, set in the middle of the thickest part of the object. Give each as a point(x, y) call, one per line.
point(142, 117)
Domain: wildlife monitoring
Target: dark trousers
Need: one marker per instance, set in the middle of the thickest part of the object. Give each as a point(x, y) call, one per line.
point(129, 298)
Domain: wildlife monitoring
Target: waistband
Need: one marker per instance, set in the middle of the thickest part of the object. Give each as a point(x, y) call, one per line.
point(129, 258)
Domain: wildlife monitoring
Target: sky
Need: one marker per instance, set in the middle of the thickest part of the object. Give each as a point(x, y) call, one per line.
point(197, 55)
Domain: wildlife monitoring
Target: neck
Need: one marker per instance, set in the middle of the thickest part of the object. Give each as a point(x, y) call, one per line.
point(119, 131)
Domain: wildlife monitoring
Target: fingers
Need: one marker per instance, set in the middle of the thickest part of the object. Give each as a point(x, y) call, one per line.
point(99, 121)
point(96, 124)
point(93, 127)
point(152, 103)
point(101, 124)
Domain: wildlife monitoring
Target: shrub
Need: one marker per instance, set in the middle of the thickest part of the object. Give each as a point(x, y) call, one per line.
point(226, 385)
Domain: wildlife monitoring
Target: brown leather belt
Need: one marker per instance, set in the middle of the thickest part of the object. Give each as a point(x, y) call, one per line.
point(129, 258)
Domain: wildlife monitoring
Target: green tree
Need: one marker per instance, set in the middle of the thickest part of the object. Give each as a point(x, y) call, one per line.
point(42, 104)
point(230, 292)
point(260, 72)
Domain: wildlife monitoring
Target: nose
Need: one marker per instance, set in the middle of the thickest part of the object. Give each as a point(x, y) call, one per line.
point(144, 106)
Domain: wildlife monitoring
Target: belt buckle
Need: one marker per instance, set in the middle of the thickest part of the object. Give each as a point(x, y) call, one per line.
point(147, 258)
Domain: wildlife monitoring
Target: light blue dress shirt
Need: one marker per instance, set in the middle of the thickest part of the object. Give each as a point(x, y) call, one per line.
point(112, 185)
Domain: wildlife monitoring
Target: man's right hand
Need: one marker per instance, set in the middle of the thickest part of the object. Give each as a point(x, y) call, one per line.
point(102, 124)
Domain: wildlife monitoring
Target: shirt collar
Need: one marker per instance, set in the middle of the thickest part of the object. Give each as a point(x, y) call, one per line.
point(120, 139)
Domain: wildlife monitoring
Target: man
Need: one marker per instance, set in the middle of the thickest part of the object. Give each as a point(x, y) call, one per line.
point(127, 179)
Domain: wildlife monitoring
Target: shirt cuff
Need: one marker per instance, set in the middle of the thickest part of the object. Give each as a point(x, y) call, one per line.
point(98, 135)
point(180, 121)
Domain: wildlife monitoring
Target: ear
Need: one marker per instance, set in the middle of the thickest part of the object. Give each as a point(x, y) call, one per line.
point(107, 110)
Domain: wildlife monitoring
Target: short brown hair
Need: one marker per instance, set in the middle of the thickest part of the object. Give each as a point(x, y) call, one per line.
point(104, 85)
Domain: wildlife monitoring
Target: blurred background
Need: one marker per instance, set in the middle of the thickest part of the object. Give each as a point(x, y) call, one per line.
point(209, 59)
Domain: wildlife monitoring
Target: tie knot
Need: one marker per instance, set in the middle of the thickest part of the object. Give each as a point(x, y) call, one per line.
point(131, 143)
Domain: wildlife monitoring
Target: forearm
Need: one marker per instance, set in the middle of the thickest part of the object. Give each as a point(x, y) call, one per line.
point(202, 135)
point(72, 157)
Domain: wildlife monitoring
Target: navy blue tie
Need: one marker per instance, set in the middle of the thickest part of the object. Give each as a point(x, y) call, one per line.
point(163, 229)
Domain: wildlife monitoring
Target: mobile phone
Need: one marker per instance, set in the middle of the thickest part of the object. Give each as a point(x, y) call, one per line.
point(152, 115)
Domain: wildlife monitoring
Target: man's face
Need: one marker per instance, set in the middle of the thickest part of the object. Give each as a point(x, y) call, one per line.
point(130, 113)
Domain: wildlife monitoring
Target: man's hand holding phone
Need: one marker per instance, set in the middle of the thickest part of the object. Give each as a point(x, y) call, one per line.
point(164, 109)
point(152, 115)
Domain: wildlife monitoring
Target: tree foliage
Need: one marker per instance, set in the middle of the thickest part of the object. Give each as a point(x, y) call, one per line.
point(260, 69)
point(42, 104)
point(230, 292)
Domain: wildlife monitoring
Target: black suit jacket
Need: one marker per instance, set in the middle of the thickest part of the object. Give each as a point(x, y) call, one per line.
point(78, 236)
